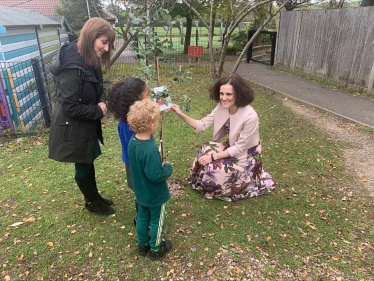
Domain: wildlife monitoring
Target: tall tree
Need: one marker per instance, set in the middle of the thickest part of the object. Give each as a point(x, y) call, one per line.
point(336, 4)
point(238, 10)
point(76, 11)
point(181, 10)
point(366, 3)
point(297, 4)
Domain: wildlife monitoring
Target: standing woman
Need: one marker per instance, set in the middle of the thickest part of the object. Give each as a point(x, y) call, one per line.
point(230, 169)
point(76, 122)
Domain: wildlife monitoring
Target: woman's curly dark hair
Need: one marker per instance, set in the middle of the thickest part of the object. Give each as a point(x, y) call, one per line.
point(244, 94)
point(123, 95)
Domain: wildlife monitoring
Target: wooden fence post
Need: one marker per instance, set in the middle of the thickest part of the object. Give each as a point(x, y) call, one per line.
point(370, 88)
point(296, 46)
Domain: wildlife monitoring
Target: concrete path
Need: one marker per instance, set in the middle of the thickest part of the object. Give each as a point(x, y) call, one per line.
point(355, 108)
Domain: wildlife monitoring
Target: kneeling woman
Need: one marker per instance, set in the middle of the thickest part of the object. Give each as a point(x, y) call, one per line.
point(230, 170)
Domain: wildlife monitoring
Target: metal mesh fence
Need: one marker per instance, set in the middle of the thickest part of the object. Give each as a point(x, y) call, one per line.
point(179, 53)
point(26, 89)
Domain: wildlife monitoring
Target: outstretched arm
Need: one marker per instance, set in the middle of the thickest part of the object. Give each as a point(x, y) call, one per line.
point(190, 121)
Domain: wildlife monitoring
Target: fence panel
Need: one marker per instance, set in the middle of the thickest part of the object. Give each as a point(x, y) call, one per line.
point(335, 44)
point(26, 89)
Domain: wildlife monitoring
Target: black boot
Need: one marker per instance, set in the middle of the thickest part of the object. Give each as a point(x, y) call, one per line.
point(93, 179)
point(91, 196)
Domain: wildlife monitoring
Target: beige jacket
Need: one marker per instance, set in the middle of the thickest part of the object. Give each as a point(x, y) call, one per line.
point(244, 128)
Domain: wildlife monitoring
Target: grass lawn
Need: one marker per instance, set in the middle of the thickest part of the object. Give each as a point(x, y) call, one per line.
point(47, 234)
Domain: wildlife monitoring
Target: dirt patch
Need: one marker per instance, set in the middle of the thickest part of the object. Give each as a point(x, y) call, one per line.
point(358, 155)
point(176, 188)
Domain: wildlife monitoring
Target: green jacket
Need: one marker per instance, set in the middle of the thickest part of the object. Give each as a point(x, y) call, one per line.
point(148, 174)
point(76, 115)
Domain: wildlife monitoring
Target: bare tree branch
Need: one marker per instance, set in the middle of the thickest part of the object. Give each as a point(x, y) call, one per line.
point(250, 42)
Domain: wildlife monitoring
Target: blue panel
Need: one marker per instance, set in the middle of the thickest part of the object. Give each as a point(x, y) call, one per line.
point(19, 66)
point(30, 104)
point(31, 116)
point(25, 78)
point(20, 52)
point(12, 102)
point(1, 56)
point(5, 40)
point(21, 95)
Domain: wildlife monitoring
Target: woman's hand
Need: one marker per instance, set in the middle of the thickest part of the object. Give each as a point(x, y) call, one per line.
point(103, 107)
point(190, 121)
point(176, 109)
point(205, 159)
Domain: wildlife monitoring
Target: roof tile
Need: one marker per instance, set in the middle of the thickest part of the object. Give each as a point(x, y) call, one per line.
point(43, 7)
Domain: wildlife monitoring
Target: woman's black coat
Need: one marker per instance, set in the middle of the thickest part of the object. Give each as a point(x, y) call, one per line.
point(76, 114)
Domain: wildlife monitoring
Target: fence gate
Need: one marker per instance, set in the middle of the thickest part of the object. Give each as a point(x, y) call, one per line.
point(263, 49)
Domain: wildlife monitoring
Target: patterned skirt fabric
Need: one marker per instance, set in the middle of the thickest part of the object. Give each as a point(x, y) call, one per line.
point(230, 179)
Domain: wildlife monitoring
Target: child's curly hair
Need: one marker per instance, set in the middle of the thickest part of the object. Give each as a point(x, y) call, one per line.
point(123, 94)
point(142, 114)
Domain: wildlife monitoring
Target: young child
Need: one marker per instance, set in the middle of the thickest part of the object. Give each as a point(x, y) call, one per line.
point(149, 176)
point(121, 97)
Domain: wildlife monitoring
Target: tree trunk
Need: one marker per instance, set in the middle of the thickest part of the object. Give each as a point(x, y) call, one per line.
point(366, 3)
point(214, 22)
point(119, 51)
point(187, 40)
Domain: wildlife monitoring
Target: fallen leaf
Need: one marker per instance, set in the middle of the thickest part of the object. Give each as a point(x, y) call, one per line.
point(17, 223)
point(50, 244)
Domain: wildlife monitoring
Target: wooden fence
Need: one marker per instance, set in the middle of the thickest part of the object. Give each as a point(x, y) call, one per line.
point(335, 44)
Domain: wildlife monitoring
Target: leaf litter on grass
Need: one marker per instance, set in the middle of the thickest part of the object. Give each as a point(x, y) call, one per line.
point(302, 231)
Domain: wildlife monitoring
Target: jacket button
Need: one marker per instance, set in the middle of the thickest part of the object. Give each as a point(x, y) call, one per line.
point(67, 122)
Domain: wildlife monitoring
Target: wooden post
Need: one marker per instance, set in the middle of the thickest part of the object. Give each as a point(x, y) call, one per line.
point(296, 46)
point(157, 71)
point(162, 139)
point(370, 88)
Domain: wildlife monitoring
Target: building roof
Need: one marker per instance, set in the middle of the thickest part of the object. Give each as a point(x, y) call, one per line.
point(63, 21)
point(43, 7)
point(110, 17)
point(13, 17)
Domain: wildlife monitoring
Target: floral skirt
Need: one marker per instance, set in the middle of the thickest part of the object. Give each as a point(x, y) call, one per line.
point(232, 178)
